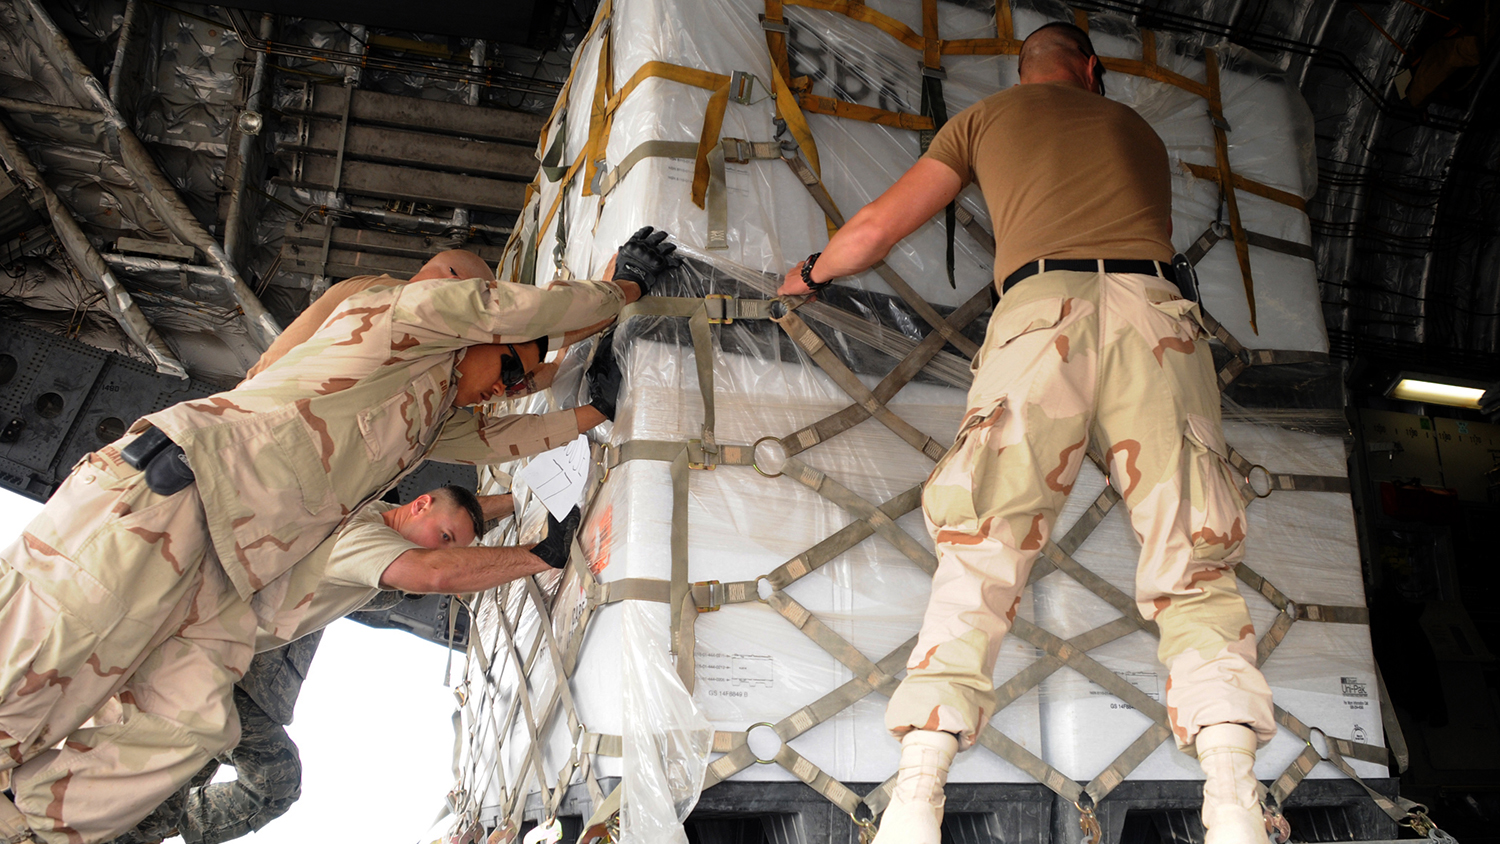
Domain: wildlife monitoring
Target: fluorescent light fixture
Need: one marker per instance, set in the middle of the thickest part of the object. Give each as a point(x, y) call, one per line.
point(1432, 389)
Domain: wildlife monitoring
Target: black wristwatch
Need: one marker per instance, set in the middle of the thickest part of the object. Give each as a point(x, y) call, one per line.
point(807, 278)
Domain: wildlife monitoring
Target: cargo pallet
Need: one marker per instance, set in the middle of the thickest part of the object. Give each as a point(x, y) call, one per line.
point(1136, 812)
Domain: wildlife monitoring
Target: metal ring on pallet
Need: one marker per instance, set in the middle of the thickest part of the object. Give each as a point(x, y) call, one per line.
point(768, 725)
point(1250, 482)
point(755, 464)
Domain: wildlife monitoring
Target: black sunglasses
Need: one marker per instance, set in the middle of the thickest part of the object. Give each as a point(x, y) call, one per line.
point(512, 370)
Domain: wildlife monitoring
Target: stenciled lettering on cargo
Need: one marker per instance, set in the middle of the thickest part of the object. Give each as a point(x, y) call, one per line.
point(811, 56)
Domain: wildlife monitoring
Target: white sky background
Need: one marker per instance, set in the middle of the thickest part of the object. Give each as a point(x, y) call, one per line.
point(373, 725)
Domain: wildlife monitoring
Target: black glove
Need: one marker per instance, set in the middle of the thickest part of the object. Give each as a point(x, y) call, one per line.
point(555, 548)
point(604, 377)
point(645, 255)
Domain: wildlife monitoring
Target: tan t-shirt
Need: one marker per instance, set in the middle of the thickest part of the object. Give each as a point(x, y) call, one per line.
point(307, 323)
point(1066, 174)
point(338, 577)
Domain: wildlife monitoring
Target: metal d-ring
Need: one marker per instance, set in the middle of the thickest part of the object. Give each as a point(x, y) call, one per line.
point(767, 579)
point(754, 451)
point(1270, 481)
point(603, 461)
point(772, 727)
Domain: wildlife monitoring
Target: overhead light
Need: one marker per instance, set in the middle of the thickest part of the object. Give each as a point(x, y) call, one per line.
point(1431, 389)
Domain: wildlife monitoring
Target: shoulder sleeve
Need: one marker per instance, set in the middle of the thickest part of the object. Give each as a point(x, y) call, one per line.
point(953, 144)
point(363, 550)
point(476, 438)
point(456, 313)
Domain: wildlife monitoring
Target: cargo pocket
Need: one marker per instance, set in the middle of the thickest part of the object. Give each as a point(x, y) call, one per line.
point(1010, 324)
point(1217, 510)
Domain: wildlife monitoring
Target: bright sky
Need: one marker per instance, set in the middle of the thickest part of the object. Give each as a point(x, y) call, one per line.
point(373, 726)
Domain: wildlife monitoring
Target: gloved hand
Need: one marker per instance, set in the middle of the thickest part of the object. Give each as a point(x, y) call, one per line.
point(604, 377)
point(559, 542)
point(644, 256)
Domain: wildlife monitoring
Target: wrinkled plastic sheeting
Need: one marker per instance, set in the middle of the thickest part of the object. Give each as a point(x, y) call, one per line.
point(666, 739)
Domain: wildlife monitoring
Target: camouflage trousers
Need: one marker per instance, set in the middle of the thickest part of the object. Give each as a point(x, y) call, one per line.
point(269, 781)
point(1071, 356)
point(107, 593)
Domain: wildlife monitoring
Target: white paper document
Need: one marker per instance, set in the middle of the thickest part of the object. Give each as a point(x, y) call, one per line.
point(557, 476)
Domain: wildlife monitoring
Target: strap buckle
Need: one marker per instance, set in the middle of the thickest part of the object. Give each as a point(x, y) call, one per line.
point(716, 594)
point(724, 304)
point(695, 449)
point(737, 150)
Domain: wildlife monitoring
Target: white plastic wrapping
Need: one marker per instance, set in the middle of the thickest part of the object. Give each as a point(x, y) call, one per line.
point(666, 739)
point(753, 666)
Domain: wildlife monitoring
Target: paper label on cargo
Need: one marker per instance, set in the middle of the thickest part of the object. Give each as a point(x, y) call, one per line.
point(735, 675)
point(557, 476)
point(1146, 681)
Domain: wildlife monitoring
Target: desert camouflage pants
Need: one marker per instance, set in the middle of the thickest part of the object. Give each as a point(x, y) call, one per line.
point(268, 782)
point(1070, 356)
point(107, 593)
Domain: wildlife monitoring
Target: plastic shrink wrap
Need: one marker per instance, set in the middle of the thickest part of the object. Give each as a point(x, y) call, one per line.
point(773, 669)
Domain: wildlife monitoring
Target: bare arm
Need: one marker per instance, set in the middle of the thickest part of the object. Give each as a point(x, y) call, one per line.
point(497, 506)
point(457, 571)
point(911, 201)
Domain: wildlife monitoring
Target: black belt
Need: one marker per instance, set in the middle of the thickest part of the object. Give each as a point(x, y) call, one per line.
point(1089, 265)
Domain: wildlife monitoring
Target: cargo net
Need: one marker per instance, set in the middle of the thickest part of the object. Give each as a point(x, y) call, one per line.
point(527, 735)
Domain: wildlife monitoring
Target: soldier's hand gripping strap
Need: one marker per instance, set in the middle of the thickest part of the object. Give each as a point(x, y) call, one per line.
point(645, 255)
point(604, 377)
point(554, 549)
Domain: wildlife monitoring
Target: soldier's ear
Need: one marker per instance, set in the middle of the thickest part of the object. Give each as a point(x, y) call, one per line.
point(421, 504)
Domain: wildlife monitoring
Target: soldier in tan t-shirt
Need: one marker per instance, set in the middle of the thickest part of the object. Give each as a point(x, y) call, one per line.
point(1101, 345)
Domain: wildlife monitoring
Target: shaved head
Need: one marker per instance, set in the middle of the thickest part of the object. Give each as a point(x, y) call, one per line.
point(1060, 52)
point(454, 263)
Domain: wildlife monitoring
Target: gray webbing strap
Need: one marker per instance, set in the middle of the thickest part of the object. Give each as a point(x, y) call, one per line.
point(1111, 594)
point(818, 350)
point(1397, 738)
point(703, 356)
point(716, 200)
point(859, 508)
point(1212, 236)
point(1398, 809)
point(553, 165)
point(976, 230)
point(924, 309)
point(847, 537)
point(1282, 481)
point(680, 561)
point(891, 384)
point(734, 744)
point(720, 307)
point(604, 182)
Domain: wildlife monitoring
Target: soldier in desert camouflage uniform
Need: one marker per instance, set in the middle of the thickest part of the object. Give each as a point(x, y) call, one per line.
point(107, 590)
point(383, 548)
point(1094, 341)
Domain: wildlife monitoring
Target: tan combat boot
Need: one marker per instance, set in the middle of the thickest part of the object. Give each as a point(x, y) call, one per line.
point(915, 815)
point(1231, 795)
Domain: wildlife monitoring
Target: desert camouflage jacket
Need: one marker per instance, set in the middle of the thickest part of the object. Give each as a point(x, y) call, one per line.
point(283, 458)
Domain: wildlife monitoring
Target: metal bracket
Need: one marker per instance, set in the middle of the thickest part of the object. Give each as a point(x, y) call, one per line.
point(724, 304)
point(741, 86)
point(1219, 122)
point(775, 26)
point(934, 72)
